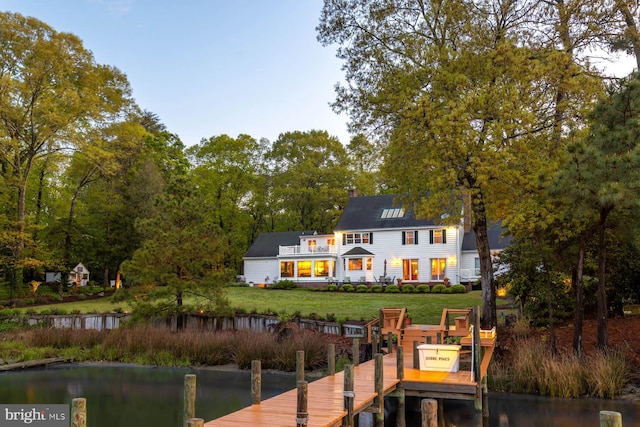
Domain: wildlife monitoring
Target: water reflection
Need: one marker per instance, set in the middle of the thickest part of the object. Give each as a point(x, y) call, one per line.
point(126, 396)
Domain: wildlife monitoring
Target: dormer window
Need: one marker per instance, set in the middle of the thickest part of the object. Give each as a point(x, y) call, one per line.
point(392, 213)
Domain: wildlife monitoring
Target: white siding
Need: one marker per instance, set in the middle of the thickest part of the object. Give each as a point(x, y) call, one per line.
point(256, 270)
point(468, 266)
point(387, 245)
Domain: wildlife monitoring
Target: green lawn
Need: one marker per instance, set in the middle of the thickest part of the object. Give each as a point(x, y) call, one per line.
point(423, 308)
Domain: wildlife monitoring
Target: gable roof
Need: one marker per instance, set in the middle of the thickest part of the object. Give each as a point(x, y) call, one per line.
point(497, 239)
point(357, 251)
point(365, 213)
point(268, 244)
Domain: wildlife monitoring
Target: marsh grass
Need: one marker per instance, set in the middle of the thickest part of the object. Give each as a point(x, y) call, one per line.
point(162, 347)
point(532, 368)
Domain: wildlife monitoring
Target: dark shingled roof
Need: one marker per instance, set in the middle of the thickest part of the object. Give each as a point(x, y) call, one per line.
point(365, 213)
point(496, 238)
point(357, 251)
point(268, 244)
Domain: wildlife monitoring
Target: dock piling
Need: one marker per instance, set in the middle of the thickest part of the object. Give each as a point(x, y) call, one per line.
point(331, 359)
point(416, 356)
point(299, 366)
point(610, 419)
point(195, 422)
point(256, 382)
point(378, 401)
point(349, 395)
point(302, 413)
point(355, 350)
point(79, 412)
point(189, 398)
point(400, 414)
point(429, 411)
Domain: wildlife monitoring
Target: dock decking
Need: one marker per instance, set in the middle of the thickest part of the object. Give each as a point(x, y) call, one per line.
point(326, 398)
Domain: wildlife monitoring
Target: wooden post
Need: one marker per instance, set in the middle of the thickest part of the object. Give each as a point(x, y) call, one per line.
point(189, 398)
point(374, 344)
point(349, 395)
point(389, 342)
point(256, 382)
point(429, 410)
point(302, 414)
point(610, 419)
point(439, 338)
point(355, 351)
point(400, 414)
point(195, 422)
point(378, 401)
point(79, 412)
point(299, 366)
point(476, 358)
point(416, 356)
point(331, 359)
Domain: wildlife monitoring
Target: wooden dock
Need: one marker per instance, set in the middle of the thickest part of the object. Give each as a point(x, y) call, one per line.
point(398, 374)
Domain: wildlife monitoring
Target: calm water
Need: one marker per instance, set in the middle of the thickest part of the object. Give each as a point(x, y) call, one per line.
point(135, 396)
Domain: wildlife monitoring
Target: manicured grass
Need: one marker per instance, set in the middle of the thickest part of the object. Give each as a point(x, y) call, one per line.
point(423, 308)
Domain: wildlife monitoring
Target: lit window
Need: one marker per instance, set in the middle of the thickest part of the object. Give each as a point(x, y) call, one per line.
point(369, 264)
point(438, 268)
point(410, 237)
point(355, 263)
point(286, 269)
point(437, 236)
point(409, 269)
point(304, 268)
point(321, 268)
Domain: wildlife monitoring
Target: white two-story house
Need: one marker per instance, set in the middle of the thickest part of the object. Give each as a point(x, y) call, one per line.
point(375, 241)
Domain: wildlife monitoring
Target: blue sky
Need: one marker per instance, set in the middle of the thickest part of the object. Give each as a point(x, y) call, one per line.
point(208, 67)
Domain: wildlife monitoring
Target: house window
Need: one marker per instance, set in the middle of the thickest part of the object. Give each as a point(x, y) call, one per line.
point(437, 236)
point(410, 237)
point(79, 269)
point(355, 263)
point(437, 268)
point(286, 269)
point(357, 238)
point(321, 268)
point(304, 268)
point(477, 271)
point(312, 245)
point(410, 269)
point(369, 264)
point(331, 241)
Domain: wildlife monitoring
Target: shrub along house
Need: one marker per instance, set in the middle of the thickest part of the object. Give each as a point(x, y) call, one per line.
point(375, 241)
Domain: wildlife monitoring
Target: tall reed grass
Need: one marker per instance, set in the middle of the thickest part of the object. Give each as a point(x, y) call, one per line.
point(532, 368)
point(161, 346)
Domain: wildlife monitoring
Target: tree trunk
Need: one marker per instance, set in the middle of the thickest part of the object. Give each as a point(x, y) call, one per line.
point(632, 30)
point(552, 330)
point(602, 289)
point(489, 316)
point(578, 286)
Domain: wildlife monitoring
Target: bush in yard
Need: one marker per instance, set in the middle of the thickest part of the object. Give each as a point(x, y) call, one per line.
point(438, 289)
point(347, 288)
point(423, 289)
point(458, 289)
point(362, 288)
point(376, 289)
point(392, 289)
point(446, 291)
point(284, 284)
point(408, 289)
point(332, 288)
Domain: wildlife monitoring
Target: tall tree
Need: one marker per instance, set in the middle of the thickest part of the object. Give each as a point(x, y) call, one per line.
point(455, 93)
point(226, 173)
point(52, 94)
point(603, 172)
point(181, 254)
point(310, 180)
